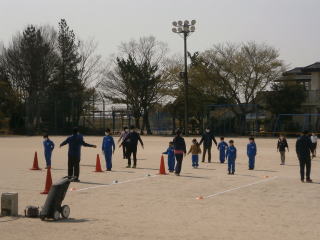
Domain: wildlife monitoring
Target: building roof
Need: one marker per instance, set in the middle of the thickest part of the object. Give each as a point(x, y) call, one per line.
point(312, 68)
point(294, 71)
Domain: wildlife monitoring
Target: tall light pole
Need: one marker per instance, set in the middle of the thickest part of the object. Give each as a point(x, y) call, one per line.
point(185, 29)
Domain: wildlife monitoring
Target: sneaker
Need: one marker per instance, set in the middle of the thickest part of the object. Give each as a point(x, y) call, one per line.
point(177, 174)
point(229, 173)
point(302, 180)
point(129, 166)
point(108, 169)
point(76, 180)
point(309, 180)
point(202, 161)
point(134, 166)
point(232, 173)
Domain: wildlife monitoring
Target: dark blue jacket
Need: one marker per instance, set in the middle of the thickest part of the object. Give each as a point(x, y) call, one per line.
point(222, 146)
point(131, 140)
point(304, 147)
point(179, 144)
point(251, 149)
point(170, 152)
point(75, 143)
point(108, 144)
point(231, 153)
point(207, 139)
point(48, 146)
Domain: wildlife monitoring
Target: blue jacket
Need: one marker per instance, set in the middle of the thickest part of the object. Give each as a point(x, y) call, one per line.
point(48, 146)
point(108, 144)
point(231, 153)
point(222, 146)
point(251, 149)
point(170, 152)
point(75, 143)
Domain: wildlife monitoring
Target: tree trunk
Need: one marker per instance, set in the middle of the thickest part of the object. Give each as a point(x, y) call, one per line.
point(147, 122)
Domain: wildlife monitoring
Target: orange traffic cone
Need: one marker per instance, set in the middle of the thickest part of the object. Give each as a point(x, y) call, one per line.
point(48, 182)
point(162, 170)
point(35, 162)
point(98, 164)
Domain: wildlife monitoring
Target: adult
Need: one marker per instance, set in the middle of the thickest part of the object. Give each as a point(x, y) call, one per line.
point(314, 140)
point(180, 150)
point(131, 142)
point(281, 147)
point(75, 143)
point(304, 149)
point(123, 135)
point(206, 139)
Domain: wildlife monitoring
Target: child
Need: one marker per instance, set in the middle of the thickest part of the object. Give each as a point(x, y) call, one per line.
point(123, 135)
point(171, 160)
point(251, 152)
point(281, 147)
point(231, 156)
point(222, 147)
point(48, 148)
point(108, 148)
point(314, 140)
point(195, 150)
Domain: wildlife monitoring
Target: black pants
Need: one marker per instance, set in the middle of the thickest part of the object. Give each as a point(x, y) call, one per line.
point(205, 149)
point(73, 166)
point(179, 158)
point(305, 162)
point(132, 151)
point(124, 150)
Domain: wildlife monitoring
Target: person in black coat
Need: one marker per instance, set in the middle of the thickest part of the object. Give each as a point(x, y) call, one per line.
point(207, 139)
point(75, 143)
point(180, 150)
point(281, 147)
point(304, 150)
point(131, 143)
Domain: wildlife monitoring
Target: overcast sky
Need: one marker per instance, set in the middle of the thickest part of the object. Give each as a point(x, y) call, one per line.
point(291, 26)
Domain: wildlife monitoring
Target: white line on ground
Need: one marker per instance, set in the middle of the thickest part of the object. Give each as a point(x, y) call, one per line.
point(243, 186)
point(115, 183)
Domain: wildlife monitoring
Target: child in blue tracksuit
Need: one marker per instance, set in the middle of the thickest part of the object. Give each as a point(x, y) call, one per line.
point(48, 146)
point(251, 152)
point(231, 155)
point(222, 147)
point(171, 158)
point(108, 148)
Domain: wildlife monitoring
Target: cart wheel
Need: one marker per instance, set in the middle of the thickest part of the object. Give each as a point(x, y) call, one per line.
point(56, 215)
point(65, 211)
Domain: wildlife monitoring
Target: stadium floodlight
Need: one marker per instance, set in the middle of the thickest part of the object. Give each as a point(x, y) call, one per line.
point(185, 28)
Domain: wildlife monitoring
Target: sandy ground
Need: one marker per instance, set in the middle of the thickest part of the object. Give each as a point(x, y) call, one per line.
point(268, 203)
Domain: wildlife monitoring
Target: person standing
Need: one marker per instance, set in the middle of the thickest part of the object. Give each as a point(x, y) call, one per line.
point(231, 156)
point(75, 143)
point(314, 140)
point(207, 139)
point(304, 149)
point(180, 150)
point(108, 148)
point(123, 135)
point(251, 152)
point(222, 147)
point(131, 141)
point(281, 147)
point(48, 146)
point(195, 150)
point(171, 159)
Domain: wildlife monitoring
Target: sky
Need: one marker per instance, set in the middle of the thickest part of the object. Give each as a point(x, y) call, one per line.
point(291, 26)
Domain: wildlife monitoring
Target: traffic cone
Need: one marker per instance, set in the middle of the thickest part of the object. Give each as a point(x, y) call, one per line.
point(162, 170)
point(98, 164)
point(35, 162)
point(48, 182)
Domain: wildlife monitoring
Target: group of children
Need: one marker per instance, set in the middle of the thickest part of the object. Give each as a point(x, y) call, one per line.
point(226, 151)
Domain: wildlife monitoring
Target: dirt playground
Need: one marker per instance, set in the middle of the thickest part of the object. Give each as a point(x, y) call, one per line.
point(205, 203)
